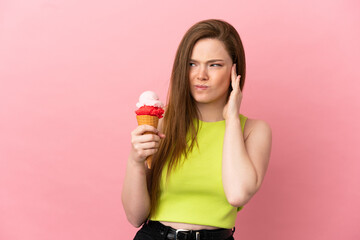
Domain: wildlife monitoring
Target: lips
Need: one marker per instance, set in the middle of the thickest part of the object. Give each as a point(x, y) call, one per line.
point(201, 87)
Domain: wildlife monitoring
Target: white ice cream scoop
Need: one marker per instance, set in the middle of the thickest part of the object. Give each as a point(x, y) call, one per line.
point(149, 98)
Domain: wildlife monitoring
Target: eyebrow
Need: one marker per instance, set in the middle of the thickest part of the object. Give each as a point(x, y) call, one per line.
point(212, 60)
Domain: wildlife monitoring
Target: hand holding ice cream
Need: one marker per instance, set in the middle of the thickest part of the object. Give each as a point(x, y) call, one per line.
point(149, 112)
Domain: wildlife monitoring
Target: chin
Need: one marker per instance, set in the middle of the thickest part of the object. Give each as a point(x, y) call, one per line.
point(202, 99)
point(208, 99)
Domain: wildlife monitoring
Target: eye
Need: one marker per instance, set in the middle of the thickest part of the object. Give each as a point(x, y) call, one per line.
point(217, 65)
point(190, 64)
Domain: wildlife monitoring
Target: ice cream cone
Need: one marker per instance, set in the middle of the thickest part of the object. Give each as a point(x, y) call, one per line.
point(148, 120)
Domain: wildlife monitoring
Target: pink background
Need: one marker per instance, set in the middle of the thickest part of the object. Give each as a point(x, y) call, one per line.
point(71, 73)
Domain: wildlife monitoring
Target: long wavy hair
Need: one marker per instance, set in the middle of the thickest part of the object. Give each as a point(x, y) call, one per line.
point(181, 115)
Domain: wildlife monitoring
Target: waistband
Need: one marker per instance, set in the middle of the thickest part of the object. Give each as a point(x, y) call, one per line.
point(183, 234)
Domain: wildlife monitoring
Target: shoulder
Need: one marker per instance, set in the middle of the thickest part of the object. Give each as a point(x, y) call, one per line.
point(258, 126)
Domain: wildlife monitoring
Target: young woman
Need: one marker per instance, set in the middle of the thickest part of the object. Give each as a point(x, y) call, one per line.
point(208, 159)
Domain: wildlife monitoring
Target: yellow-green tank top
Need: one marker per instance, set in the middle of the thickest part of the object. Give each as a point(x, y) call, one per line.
point(194, 191)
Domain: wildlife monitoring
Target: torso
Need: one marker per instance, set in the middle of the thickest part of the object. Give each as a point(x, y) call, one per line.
point(249, 124)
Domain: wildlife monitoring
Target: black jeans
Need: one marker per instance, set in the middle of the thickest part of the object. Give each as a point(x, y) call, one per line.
point(147, 233)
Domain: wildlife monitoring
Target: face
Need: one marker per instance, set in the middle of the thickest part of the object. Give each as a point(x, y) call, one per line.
point(210, 69)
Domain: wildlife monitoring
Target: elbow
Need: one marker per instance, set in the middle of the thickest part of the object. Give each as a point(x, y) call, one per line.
point(242, 196)
point(239, 200)
point(135, 215)
point(136, 222)
point(135, 218)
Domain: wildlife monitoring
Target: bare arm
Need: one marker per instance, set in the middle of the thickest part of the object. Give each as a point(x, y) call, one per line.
point(244, 163)
point(135, 195)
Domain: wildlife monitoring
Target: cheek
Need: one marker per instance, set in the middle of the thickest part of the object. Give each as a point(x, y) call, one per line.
point(191, 76)
point(226, 80)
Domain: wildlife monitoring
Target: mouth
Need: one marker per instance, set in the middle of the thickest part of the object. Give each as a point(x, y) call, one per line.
point(201, 87)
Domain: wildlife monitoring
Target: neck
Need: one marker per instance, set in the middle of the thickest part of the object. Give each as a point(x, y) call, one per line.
point(211, 112)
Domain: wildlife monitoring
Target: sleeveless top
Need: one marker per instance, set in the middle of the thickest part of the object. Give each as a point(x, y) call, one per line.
point(194, 191)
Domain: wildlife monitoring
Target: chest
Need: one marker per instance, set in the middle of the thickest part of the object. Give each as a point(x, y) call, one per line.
point(201, 171)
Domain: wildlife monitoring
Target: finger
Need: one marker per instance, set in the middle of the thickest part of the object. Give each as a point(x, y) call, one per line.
point(144, 128)
point(238, 82)
point(148, 138)
point(236, 86)
point(150, 152)
point(233, 75)
point(148, 145)
point(147, 152)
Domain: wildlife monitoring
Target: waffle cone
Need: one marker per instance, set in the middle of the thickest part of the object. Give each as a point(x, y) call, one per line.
point(148, 120)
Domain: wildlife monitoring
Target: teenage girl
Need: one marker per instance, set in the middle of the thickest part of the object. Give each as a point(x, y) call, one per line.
point(208, 159)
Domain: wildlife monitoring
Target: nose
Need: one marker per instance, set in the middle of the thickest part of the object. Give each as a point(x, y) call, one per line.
point(202, 74)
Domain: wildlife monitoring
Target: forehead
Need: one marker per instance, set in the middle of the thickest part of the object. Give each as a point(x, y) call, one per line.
point(209, 49)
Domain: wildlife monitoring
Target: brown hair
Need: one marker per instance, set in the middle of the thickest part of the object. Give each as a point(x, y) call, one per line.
point(181, 115)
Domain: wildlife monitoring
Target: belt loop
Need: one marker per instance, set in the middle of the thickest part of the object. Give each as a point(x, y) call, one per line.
point(197, 236)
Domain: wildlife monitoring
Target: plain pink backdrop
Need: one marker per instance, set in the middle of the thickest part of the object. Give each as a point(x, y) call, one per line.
point(71, 73)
